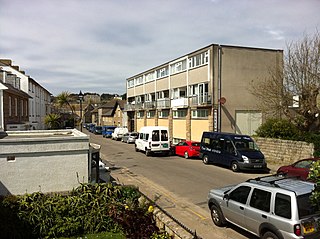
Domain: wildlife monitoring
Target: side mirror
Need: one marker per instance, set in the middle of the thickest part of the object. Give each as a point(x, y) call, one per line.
point(226, 197)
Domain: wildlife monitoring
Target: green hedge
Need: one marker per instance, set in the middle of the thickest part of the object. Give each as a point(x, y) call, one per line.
point(90, 208)
point(284, 129)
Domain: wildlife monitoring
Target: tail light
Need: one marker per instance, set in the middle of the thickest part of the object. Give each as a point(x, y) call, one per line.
point(297, 229)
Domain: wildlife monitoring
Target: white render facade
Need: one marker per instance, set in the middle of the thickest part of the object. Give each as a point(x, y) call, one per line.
point(43, 160)
point(39, 101)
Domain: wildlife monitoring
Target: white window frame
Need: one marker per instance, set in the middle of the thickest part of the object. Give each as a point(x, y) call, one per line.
point(180, 113)
point(164, 114)
point(200, 114)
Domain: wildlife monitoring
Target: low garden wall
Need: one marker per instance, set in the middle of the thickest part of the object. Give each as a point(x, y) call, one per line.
point(284, 152)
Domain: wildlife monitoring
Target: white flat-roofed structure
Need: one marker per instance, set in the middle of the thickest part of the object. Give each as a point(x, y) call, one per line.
point(43, 160)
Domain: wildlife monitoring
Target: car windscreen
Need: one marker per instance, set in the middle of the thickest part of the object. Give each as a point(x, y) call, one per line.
point(245, 144)
point(197, 144)
point(98, 127)
point(134, 134)
point(305, 207)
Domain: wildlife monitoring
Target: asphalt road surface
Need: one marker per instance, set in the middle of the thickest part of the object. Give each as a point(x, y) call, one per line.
point(183, 182)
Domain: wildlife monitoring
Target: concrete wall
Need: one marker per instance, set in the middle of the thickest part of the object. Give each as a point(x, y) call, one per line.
point(284, 152)
point(46, 161)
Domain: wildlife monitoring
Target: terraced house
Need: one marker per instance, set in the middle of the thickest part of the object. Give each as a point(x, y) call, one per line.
point(205, 90)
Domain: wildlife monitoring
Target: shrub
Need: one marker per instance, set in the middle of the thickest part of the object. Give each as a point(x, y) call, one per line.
point(90, 208)
point(278, 128)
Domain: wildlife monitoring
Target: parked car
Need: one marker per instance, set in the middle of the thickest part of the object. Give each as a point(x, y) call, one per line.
point(97, 130)
point(129, 137)
point(239, 152)
point(118, 133)
point(270, 207)
point(187, 149)
point(299, 169)
point(91, 127)
point(107, 131)
point(153, 139)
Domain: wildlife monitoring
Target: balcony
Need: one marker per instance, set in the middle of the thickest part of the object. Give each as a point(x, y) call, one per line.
point(201, 100)
point(179, 103)
point(163, 103)
point(150, 104)
point(129, 107)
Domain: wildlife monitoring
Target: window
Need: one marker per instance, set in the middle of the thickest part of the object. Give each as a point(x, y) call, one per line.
point(240, 194)
point(179, 113)
point(178, 67)
point(150, 114)
point(164, 135)
point(162, 72)
point(200, 113)
point(155, 135)
point(10, 106)
point(150, 76)
point(198, 60)
point(282, 206)
point(130, 83)
point(260, 199)
point(21, 105)
point(140, 114)
point(139, 80)
point(15, 106)
point(164, 114)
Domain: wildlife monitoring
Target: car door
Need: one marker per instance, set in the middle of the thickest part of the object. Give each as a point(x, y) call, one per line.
point(258, 210)
point(236, 205)
point(181, 148)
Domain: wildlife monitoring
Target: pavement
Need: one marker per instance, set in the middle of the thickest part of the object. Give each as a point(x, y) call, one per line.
point(192, 216)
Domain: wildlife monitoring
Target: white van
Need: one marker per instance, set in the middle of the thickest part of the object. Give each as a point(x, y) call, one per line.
point(118, 133)
point(153, 139)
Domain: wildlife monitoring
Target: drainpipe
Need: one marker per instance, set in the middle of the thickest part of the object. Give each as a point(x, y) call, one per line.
point(219, 86)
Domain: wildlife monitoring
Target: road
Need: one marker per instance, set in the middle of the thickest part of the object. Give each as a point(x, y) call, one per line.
point(183, 182)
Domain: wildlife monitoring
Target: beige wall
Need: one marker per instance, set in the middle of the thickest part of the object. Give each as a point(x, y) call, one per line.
point(178, 80)
point(198, 75)
point(140, 123)
point(163, 84)
point(179, 128)
point(150, 87)
point(197, 127)
point(130, 92)
point(139, 90)
point(163, 122)
point(151, 122)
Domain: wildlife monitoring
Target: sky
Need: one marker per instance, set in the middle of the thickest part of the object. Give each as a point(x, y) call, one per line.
point(95, 45)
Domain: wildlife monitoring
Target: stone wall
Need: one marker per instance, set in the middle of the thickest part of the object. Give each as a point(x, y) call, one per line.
point(284, 152)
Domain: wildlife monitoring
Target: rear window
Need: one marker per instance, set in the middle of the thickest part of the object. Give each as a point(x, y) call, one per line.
point(134, 134)
point(305, 207)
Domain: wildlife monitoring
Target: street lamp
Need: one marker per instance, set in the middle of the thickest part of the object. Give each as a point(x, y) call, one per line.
point(81, 99)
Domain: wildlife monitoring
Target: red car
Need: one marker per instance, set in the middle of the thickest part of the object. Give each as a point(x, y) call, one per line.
point(299, 168)
point(188, 149)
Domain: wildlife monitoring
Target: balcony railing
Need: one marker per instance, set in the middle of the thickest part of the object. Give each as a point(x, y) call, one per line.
point(203, 99)
point(163, 103)
point(150, 105)
point(129, 107)
point(179, 103)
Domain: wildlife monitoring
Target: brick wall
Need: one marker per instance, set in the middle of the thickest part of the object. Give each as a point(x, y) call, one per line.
point(284, 152)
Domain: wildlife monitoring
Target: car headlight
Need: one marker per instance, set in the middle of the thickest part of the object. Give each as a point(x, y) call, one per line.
point(245, 159)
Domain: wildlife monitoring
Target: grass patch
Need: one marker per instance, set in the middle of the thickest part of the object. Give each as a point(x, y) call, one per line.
point(102, 235)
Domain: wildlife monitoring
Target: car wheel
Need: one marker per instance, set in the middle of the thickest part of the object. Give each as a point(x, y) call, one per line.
point(217, 216)
point(186, 155)
point(148, 153)
point(137, 150)
point(205, 159)
point(270, 235)
point(234, 166)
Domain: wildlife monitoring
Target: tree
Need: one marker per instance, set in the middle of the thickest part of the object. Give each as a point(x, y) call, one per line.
point(64, 99)
point(314, 175)
point(297, 83)
point(52, 121)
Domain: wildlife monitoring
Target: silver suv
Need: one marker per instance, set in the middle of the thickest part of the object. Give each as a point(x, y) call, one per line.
point(271, 207)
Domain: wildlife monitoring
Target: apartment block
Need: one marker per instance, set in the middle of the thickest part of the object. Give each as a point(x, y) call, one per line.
point(205, 90)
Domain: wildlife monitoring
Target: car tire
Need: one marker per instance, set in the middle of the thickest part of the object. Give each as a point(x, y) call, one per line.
point(234, 166)
point(186, 155)
point(217, 216)
point(148, 152)
point(205, 159)
point(270, 235)
point(137, 150)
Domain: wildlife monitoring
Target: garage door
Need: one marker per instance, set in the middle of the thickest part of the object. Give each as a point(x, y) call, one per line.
point(247, 122)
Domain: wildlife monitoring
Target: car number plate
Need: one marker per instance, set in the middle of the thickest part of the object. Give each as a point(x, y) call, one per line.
point(257, 166)
point(308, 228)
point(165, 145)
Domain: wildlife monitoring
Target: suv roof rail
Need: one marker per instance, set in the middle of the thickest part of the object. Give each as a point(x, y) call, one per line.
point(278, 177)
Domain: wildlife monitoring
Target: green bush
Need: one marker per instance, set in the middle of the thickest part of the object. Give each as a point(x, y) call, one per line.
point(90, 208)
point(278, 128)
